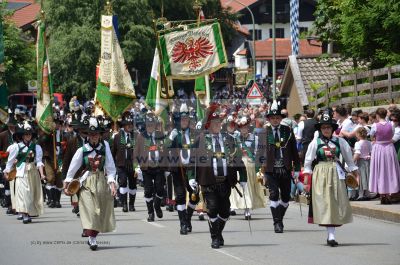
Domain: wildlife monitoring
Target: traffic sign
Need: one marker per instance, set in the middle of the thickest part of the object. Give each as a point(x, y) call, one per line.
point(255, 92)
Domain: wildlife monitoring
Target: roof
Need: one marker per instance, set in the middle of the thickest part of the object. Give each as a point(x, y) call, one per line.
point(284, 49)
point(235, 6)
point(305, 71)
point(27, 14)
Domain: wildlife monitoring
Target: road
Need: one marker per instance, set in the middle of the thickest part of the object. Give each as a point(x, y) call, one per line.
point(54, 238)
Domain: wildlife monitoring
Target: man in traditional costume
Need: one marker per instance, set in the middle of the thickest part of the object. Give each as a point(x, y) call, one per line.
point(182, 167)
point(216, 170)
point(150, 155)
point(279, 156)
point(122, 150)
point(96, 195)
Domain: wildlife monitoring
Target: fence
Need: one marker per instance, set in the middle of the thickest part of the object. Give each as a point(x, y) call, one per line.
point(363, 89)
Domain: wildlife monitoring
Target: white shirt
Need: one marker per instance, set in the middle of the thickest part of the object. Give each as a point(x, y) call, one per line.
point(13, 153)
point(396, 135)
point(348, 125)
point(221, 143)
point(77, 160)
point(345, 151)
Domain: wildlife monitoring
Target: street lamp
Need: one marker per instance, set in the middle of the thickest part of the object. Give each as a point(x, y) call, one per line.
point(253, 36)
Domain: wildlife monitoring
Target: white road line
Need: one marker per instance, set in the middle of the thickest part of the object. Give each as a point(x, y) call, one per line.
point(153, 224)
point(227, 254)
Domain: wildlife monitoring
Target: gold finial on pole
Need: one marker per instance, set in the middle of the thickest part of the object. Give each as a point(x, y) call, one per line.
point(108, 8)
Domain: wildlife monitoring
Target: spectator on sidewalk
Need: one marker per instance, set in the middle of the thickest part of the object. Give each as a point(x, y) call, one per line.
point(385, 169)
point(362, 157)
point(395, 119)
point(307, 129)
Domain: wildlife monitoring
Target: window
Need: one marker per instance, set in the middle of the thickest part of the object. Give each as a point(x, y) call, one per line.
point(303, 30)
point(279, 33)
point(258, 34)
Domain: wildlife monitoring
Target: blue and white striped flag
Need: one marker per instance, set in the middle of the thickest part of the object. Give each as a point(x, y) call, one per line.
point(294, 26)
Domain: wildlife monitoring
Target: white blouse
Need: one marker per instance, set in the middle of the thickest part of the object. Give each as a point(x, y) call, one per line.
point(13, 153)
point(77, 160)
point(345, 151)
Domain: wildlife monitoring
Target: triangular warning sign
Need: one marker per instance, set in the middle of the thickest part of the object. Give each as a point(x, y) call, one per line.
point(254, 92)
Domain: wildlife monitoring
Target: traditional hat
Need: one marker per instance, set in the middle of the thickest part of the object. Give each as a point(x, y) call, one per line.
point(184, 111)
point(26, 127)
point(11, 118)
point(126, 119)
point(213, 114)
point(75, 120)
point(326, 118)
point(94, 125)
point(150, 117)
point(243, 121)
point(275, 109)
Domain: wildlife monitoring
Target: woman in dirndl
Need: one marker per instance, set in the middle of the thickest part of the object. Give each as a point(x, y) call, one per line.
point(26, 157)
point(330, 205)
point(96, 195)
point(252, 189)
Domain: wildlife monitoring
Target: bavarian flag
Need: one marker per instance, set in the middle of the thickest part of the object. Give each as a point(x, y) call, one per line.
point(44, 110)
point(115, 91)
point(194, 52)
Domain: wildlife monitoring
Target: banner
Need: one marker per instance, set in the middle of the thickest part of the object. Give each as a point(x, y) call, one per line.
point(115, 92)
point(44, 110)
point(193, 53)
point(113, 69)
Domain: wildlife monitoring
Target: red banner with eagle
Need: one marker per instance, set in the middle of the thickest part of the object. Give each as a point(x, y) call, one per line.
point(194, 52)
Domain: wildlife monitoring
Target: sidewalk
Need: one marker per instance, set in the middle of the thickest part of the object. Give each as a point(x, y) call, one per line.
point(373, 209)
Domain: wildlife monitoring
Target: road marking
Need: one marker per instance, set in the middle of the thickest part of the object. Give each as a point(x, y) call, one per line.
point(153, 224)
point(227, 254)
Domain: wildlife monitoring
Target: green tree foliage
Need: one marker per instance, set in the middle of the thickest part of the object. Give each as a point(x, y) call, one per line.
point(366, 30)
point(19, 54)
point(74, 36)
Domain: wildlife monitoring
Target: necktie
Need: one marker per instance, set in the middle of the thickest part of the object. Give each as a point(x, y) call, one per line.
point(277, 149)
point(152, 152)
point(218, 149)
point(185, 153)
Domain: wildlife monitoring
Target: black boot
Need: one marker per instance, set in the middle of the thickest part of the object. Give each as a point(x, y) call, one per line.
point(214, 228)
point(182, 218)
point(53, 196)
point(189, 214)
point(49, 197)
point(7, 203)
point(275, 217)
point(157, 207)
point(58, 198)
point(281, 211)
point(150, 211)
point(124, 200)
point(132, 202)
point(221, 226)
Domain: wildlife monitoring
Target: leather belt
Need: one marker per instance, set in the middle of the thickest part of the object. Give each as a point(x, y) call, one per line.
point(220, 179)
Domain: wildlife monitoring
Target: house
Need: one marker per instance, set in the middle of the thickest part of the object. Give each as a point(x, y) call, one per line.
point(24, 14)
point(304, 74)
point(262, 11)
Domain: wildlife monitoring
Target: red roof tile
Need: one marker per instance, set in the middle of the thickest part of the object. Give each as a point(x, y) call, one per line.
point(21, 1)
point(283, 49)
point(26, 15)
point(235, 6)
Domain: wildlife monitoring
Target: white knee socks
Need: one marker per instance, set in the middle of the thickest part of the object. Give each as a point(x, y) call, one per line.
point(331, 233)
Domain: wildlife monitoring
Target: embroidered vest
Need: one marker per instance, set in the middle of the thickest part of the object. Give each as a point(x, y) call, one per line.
point(325, 153)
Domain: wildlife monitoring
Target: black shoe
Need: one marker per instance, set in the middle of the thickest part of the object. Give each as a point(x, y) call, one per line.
point(9, 211)
point(278, 228)
point(25, 221)
point(132, 208)
point(233, 213)
point(159, 213)
point(170, 208)
point(132, 199)
point(93, 247)
point(157, 207)
point(150, 218)
point(20, 217)
point(75, 209)
point(58, 205)
point(125, 208)
point(221, 225)
point(78, 215)
point(332, 243)
point(215, 243)
point(52, 204)
point(247, 217)
point(183, 230)
point(201, 217)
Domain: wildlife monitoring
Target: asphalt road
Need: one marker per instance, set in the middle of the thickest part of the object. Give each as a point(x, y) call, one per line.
point(54, 238)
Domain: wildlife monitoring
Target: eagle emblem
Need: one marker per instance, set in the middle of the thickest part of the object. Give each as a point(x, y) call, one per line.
point(192, 51)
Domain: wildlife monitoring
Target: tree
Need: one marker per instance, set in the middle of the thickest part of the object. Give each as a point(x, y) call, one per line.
point(74, 37)
point(365, 30)
point(19, 56)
